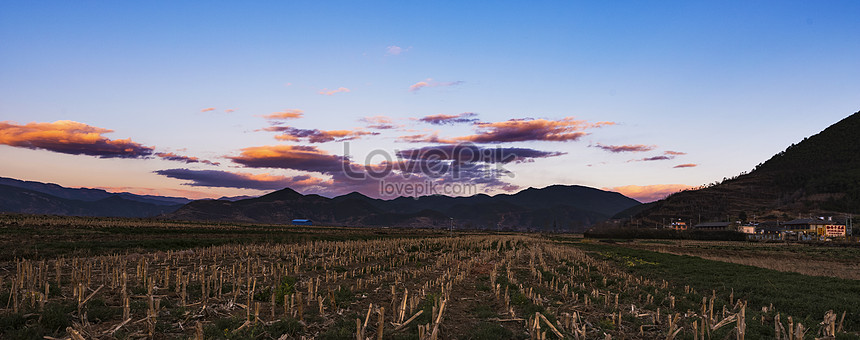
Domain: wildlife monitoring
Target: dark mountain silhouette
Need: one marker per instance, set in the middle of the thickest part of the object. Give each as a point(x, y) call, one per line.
point(20, 200)
point(556, 207)
point(819, 175)
point(89, 195)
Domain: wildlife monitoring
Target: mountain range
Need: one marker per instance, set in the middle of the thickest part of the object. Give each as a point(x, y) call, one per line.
point(557, 207)
point(17, 199)
point(819, 175)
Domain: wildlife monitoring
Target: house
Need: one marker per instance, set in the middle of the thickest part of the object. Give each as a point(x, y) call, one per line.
point(678, 225)
point(816, 226)
point(747, 228)
point(712, 226)
point(300, 221)
point(769, 228)
point(804, 225)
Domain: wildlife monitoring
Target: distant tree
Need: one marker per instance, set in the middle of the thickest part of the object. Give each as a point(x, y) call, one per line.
point(742, 216)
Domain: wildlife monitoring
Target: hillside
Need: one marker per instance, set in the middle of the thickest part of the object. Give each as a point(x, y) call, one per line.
point(818, 175)
point(89, 195)
point(19, 200)
point(557, 207)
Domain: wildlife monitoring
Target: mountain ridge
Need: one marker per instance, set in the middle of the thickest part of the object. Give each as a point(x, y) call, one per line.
point(89, 194)
point(21, 200)
point(571, 208)
point(818, 175)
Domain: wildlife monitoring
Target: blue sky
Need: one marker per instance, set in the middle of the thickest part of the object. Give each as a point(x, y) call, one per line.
point(728, 84)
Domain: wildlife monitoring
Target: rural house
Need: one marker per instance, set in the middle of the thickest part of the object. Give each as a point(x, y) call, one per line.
point(816, 226)
point(712, 226)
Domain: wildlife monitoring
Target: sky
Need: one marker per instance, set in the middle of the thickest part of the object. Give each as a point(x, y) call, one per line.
point(204, 100)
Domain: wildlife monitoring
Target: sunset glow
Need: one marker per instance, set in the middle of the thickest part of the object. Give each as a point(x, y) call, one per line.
point(246, 98)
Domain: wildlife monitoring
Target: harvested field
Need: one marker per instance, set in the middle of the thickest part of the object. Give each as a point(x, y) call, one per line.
point(816, 260)
point(407, 284)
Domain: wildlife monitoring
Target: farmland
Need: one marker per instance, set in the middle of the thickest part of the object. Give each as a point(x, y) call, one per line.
point(834, 260)
point(132, 279)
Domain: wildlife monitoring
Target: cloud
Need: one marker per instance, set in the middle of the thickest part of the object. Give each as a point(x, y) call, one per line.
point(649, 193)
point(286, 114)
point(346, 176)
point(625, 148)
point(516, 130)
point(208, 109)
point(317, 136)
point(226, 179)
point(174, 157)
point(417, 86)
point(656, 158)
point(430, 83)
point(667, 155)
point(442, 119)
point(475, 154)
point(528, 129)
point(69, 137)
point(425, 138)
point(380, 123)
point(296, 157)
point(328, 92)
point(229, 110)
point(395, 50)
point(651, 159)
point(688, 165)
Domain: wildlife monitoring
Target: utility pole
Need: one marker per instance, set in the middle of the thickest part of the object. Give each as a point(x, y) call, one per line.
point(452, 227)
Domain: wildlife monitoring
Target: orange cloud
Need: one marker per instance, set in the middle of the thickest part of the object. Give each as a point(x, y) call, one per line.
point(430, 83)
point(426, 138)
point(328, 92)
point(296, 157)
point(208, 109)
point(517, 130)
point(688, 165)
point(520, 130)
point(380, 123)
point(649, 193)
point(626, 148)
point(229, 110)
point(286, 114)
point(70, 137)
point(674, 153)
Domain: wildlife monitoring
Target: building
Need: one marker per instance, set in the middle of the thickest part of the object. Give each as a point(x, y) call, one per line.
point(712, 226)
point(816, 226)
point(747, 229)
point(300, 221)
point(678, 225)
point(769, 228)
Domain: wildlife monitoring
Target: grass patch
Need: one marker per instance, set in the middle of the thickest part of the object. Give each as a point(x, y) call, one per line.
point(806, 298)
